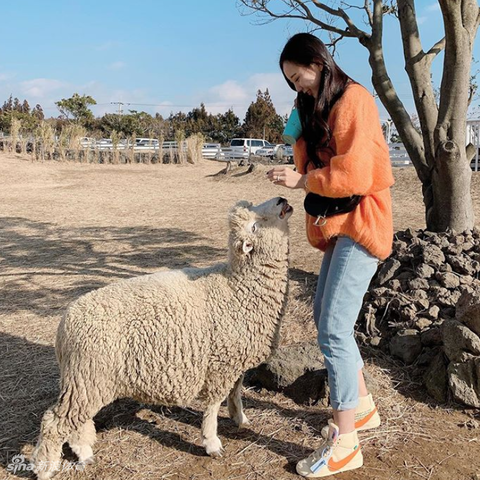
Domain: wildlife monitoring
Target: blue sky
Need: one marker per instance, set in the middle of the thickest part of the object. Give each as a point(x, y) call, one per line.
point(173, 54)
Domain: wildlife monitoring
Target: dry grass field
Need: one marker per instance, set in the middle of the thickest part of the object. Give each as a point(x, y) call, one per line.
point(66, 229)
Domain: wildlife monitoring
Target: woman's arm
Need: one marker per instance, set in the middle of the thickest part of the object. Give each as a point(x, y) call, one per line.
point(361, 164)
point(286, 177)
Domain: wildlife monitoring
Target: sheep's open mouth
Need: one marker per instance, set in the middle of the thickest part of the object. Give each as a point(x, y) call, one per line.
point(286, 209)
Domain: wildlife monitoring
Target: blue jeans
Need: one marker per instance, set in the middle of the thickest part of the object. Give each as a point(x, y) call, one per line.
point(346, 272)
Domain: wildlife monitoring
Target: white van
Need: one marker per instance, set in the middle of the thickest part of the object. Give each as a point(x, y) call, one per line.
point(244, 147)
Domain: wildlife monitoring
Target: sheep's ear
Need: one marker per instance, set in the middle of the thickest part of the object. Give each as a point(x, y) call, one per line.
point(239, 214)
point(247, 247)
point(243, 204)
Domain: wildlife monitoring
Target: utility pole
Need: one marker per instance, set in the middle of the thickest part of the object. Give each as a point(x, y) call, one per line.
point(120, 105)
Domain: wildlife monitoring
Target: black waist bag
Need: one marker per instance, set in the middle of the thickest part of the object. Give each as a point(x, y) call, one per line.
point(324, 207)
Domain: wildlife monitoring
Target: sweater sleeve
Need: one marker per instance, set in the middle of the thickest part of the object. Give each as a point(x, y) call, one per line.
point(361, 163)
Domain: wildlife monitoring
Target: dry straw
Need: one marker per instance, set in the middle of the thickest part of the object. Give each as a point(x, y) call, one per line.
point(150, 149)
point(161, 139)
point(45, 136)
point(115, 136)
point(194, 147)
point(69, 147)
point(131, 151)
point(181, 156)
point(15, 127)
point(23, 139)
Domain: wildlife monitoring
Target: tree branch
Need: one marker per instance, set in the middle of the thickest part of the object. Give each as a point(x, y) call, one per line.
point(333, 44)
point(437, 48)
point(418, 65)
point(357, 32)
point(325, 26)
point(377, 27)
point(460, 31)
point(367, 9)
point(260, 6)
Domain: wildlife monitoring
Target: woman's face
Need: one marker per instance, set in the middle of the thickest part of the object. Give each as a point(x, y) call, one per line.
point(305, 79)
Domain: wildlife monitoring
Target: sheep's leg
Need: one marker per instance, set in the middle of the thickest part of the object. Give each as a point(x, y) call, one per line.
point(54, 431)
point(211, 442)
point(68, 420)
point(234, 403)
point(81, 442)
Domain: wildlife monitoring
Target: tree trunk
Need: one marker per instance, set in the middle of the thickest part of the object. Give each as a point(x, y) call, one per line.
point(451, 205)
point(439, 153)
point(451, 176)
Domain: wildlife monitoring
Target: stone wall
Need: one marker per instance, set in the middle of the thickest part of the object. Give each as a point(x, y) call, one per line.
point(423, 307)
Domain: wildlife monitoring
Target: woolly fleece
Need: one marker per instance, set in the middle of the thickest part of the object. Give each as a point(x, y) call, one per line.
point(173, 336)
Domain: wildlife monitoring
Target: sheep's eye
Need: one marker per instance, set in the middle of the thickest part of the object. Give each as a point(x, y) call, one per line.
point(254, 228)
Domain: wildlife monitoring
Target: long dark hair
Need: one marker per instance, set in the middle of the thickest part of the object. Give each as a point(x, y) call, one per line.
point(306, 49)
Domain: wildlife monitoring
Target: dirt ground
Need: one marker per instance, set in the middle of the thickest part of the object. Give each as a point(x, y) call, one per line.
point(66, 229)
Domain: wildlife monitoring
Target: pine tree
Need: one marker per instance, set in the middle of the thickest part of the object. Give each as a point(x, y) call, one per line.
point(37, 112)
point(17, 106)
point(8, 105)
point(262, 120)
point(25, 108)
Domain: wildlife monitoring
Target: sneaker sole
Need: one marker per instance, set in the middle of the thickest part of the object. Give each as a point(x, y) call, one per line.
point(357, 462)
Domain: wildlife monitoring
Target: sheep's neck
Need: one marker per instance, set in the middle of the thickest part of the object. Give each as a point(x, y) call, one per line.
point(269, 283)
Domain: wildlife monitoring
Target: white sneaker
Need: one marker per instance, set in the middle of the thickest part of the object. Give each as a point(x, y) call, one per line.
point(337, 454)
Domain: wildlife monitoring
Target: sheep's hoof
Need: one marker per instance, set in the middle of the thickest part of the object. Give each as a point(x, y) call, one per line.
point(244, 425)
point(87, 461)
point(45, 475)
point(213, 447)
point(217, 454)
point(241, 421)
point(43, 470)
point(84, 454)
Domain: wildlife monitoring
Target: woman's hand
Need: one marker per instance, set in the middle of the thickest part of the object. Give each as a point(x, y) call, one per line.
point(286, 177)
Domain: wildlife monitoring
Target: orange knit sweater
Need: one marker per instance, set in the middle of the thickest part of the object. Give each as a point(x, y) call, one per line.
point(360, 165)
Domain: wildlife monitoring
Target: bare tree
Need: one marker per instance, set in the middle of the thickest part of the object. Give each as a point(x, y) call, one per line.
point(438, 152)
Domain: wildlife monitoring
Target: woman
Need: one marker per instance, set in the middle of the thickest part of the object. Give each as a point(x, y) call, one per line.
point(341, 153)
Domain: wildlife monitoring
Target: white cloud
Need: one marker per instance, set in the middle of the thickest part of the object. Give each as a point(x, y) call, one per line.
point(421, 20)
point(239, 95)
point(230, 91)
point(41, 87)
point(4, 77)
point(218, 99)
point(117, 65)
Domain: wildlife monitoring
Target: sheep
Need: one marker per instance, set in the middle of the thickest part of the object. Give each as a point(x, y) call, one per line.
point(171, 337)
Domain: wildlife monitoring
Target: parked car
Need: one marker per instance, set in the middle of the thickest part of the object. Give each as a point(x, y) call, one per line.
point(285, 152)
point(266, 152)
point(270, 151)
point(241, 148)
point(104, 144)
point(87, 142)
point(279, 151)
point(146, 144)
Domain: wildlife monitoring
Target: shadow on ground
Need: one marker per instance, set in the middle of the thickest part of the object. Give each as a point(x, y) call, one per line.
point(29, 379)
point(35, 258)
